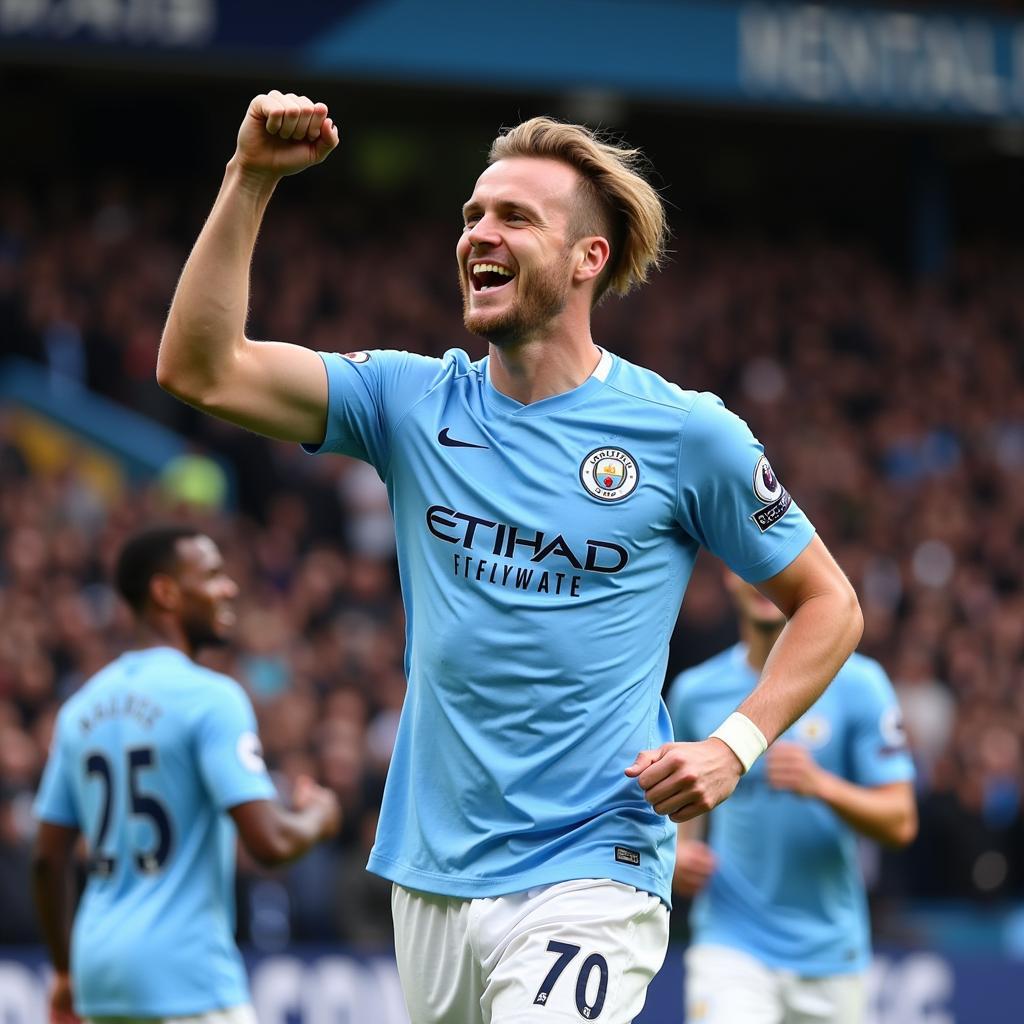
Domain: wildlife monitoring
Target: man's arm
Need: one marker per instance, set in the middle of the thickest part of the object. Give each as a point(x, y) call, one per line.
point(825, 624)
point(695, 860)
point(275, 835)
point(52, 860)
point(205, 358)
point(52, 864)
point(886, 813)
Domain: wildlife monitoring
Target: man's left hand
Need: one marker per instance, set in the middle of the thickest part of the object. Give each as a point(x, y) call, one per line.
point(791, 767)
point(684, 780)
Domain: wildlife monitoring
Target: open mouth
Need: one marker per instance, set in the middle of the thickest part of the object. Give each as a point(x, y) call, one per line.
point(486, 277)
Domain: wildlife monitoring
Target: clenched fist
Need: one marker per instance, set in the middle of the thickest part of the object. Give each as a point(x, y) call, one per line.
point(684, 780)
point(283, 134)
point(306, 795)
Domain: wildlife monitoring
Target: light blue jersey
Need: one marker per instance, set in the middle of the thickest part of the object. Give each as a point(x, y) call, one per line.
point(788, 888)
point(543, 551)
point(145, 760)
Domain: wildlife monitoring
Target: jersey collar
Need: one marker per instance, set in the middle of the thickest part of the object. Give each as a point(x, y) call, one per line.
point(556, 403)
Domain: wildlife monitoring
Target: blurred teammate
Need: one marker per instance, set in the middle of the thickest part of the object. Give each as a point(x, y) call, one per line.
point(780, 928)
point(147, 760)
point(549, 501)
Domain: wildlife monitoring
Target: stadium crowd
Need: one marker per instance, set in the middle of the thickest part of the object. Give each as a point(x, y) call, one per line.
point(892, 410)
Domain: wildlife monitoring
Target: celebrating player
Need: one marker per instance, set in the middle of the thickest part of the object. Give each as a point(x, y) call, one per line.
point(146, 759)
point(781, 926)
point(549, 501)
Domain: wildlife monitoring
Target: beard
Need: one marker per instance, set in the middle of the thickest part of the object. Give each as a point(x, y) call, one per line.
point(538, 302)
point(204, 636)
point(204, 631)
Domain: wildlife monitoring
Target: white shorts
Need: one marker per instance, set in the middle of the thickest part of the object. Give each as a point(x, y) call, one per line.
point(574, 951)
point(242, 1014)
point(728, 986)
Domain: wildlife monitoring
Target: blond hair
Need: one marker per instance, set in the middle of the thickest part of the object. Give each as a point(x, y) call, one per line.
point(617, 200)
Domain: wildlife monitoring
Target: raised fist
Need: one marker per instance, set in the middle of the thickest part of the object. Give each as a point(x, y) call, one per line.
point(283, 134)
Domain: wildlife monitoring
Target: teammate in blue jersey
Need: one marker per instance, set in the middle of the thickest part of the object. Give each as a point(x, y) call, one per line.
point(156, 760)
point(780, 925)
point(549, 500)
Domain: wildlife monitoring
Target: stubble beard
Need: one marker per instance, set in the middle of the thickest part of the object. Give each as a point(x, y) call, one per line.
point(203, 632)
point(535, 306)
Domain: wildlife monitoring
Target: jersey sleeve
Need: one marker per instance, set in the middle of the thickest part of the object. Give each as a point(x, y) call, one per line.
point(229, 750)
point(730, 500)
point(55, 801)
point(877, 746)
point(368, 394)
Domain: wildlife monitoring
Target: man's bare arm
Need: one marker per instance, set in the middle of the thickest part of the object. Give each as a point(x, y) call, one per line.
point(886, 813)
point(275, 835)
point(273, 388)
point(52, 862)
point(825, 624)
point(54, 898)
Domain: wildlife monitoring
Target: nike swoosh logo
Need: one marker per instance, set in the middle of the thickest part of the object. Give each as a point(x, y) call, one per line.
point(452, 442)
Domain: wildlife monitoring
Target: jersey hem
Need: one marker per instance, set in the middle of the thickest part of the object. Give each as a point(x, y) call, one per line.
point(237, 799)
point(779, 559)
point(158, 1011)
point(905, 775)
point(52, 818)
point(503, 885)
point(801, 966)
point(328, 442)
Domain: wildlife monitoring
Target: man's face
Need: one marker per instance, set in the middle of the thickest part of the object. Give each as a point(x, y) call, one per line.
point(752, 605)
point(514, 254)
point(206, 610)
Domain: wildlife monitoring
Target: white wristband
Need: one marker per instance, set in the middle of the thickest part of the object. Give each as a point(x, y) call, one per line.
point(744, 738)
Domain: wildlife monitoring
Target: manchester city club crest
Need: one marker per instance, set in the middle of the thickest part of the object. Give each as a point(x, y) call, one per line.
point(813, 731)
point(609, 474)
point(356, 357)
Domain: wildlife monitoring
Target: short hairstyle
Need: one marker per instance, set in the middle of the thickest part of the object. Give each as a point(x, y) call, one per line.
point(143, 556)
point(625, 207)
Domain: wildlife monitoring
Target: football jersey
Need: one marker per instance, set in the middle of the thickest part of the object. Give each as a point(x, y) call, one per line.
point(145, 760)
point(788, 887)
point(543, 551)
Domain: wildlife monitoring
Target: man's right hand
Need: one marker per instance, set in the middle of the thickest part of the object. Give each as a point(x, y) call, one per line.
point(309, 795)
point(283, 134)
point(695, 864)
point(685, 780)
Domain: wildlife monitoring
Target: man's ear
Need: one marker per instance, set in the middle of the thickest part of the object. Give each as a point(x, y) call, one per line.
point(590, 257)
point(164, 592)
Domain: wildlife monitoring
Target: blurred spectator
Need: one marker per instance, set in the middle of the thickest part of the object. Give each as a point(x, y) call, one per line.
point(18, 921)
point(928, 710)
